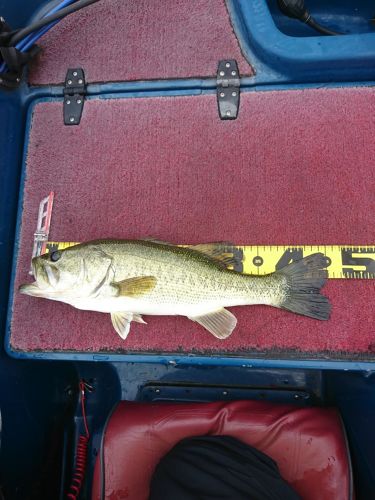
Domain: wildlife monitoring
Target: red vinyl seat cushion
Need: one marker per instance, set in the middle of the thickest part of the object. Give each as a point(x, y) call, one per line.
point(308, 444)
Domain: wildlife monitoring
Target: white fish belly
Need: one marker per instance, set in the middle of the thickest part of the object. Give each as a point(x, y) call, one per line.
point(148, 308)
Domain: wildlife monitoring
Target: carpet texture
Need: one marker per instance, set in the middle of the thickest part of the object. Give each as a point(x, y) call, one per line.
point(116, 40)
point(295, 167)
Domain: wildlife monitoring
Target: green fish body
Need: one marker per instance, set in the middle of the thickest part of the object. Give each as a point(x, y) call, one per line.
point(131, 278)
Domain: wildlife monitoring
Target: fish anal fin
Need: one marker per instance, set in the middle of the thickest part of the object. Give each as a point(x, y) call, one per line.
point(220, 323)
point(135, 287)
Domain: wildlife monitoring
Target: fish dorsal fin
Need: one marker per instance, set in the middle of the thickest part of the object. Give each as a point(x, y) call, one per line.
point(219, 252)
point(159, 242)
point(220, 323)
point(121, 323)
point(135, 287)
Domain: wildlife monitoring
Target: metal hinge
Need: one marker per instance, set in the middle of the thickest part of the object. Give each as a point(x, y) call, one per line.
point(228, 89)
point(74, 96)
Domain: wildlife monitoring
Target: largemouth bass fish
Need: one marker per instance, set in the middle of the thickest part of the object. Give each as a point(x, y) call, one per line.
point(129, 278)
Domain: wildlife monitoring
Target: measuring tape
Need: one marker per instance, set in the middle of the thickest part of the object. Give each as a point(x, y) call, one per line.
point(343, 261)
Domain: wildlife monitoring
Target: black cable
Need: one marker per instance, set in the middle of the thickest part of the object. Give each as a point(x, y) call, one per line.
point(296, 9)
point(46, 20)
point(44, 10)
point(321, 29)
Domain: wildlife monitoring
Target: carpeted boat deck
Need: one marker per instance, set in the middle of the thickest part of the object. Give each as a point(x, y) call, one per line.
point(117, 40)
point(297, 166)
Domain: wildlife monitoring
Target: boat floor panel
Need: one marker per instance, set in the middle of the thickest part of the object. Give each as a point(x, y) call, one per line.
point(297, 166)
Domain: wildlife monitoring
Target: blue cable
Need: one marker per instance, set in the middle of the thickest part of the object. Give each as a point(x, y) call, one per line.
point(30, 39)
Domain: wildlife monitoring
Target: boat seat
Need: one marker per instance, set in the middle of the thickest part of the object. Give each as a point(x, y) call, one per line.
point(308, 444)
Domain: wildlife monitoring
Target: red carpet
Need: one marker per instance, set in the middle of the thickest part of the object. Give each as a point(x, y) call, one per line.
point(115, 40)
point(295, 167)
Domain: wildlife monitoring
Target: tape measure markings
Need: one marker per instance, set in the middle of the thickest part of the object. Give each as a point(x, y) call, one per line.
point(343, 261)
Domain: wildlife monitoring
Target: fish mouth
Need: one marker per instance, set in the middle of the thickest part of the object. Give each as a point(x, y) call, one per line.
point(46, 276)
point(31, 289)
point(33, 268)
point(35, 290)
point(46, 280)
point(52, 275)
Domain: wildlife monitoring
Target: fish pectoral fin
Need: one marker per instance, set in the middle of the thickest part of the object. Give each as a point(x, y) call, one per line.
point(221, 253)
point(134, 287)
point(121, 323)
point(220, 323)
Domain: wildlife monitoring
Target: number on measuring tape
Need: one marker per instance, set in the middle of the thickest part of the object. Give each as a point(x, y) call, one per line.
point(358, 257)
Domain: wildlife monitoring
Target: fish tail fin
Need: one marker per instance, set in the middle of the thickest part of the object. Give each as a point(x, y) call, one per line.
point(304, 279)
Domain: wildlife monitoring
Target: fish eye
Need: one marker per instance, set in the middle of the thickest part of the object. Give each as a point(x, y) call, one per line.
point(55, 256)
